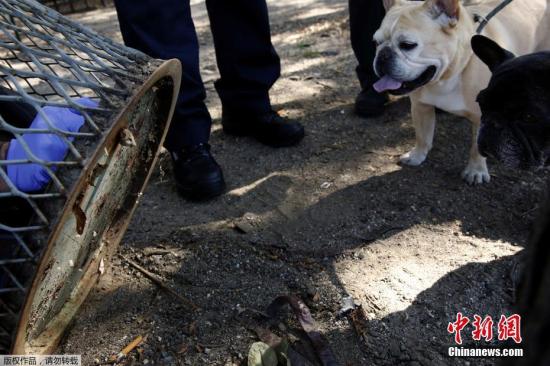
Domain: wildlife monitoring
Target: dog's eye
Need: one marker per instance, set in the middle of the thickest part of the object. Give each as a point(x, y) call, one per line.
point(407, 46)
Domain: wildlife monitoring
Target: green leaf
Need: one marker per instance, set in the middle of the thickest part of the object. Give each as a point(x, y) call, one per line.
point(282, 352)
point(260, 354)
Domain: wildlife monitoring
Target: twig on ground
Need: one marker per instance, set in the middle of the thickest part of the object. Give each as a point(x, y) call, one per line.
point(129, 348)
point(160, 283)
point(158, 251)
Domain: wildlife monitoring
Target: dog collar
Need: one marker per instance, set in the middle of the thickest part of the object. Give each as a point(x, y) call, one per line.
point(483, 20)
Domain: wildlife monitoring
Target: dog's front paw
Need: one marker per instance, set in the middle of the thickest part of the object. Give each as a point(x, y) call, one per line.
point(476, 173)
point(414, 157)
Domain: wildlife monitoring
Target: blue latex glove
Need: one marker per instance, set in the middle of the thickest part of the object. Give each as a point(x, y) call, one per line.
point(46, 146)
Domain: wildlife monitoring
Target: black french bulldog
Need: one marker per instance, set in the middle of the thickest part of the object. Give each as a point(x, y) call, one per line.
point(515, 121)
point(515, 129)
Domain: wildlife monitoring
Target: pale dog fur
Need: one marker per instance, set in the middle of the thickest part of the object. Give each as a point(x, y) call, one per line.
point(522, 27)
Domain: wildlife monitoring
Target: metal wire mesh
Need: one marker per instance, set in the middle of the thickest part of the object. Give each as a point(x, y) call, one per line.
point(75, 6)
point(48, 60)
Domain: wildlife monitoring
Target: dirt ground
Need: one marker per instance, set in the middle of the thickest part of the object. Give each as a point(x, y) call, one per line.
point(336, 216)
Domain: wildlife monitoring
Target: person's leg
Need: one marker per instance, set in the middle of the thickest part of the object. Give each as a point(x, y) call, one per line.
point(247, 60)
point(249, 66)
point(164, 29)
point(365, 18)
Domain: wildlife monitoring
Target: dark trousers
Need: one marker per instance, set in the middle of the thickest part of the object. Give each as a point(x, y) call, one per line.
point(247, 61)
point(365, 17)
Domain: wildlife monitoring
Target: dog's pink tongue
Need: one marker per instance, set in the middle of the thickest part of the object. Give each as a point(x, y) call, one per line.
point(386, 83)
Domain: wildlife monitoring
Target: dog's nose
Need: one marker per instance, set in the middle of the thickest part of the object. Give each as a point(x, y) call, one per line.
point(383, 61)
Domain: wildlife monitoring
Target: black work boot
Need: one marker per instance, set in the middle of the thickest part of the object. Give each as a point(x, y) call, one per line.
point(268, 128)
point(370, 103)
point(198, 176)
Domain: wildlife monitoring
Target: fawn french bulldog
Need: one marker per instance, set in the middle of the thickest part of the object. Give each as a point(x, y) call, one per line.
point(424, 51)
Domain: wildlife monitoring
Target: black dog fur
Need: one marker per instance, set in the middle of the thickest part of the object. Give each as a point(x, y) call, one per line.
point(515, 122)
point(515, 129)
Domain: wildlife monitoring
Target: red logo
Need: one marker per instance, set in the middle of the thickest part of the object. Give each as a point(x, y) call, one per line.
point(482, 329)
point(457, 326)
point(508, 328)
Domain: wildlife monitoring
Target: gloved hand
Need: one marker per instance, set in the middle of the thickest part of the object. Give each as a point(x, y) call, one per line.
point(46, 146)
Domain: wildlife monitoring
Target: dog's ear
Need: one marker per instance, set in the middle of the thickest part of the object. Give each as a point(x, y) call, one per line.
point(448, 9)
point(489, 51)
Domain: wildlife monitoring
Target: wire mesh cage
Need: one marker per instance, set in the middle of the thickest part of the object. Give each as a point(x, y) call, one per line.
point(81, 123)
point(75, 6)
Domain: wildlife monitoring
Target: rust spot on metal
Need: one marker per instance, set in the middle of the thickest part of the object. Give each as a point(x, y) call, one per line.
point(80, 216)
